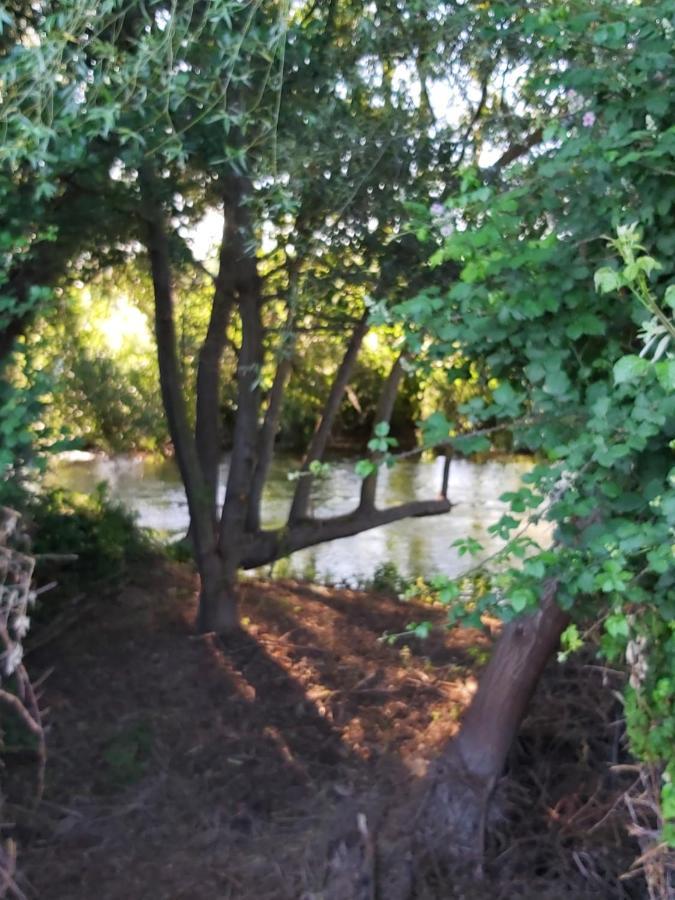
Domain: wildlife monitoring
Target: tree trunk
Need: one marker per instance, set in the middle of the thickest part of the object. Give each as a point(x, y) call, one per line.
point(317, 445)
point(218, 608)
point(443, 821)
point(451, 809)
point(218, 604)
point(208, 436)
point(268, 430)
point(493, 719)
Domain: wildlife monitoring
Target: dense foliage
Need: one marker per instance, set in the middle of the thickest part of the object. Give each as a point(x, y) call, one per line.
point(564, 301)
point(543, 194)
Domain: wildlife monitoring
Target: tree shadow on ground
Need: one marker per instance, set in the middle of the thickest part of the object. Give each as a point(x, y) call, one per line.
point(181, 765)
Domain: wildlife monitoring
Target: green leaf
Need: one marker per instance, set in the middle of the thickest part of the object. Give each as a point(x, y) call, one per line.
point(421, 630)
point(607, 280)
point(665, 372)
point(556, 383)
point(668, 801)
point(449, 593)
point(505, 525)
point(616, 626)
point(535, 568)
point(628, 368)
point(609, 33)
point(570, 639)
point(318, 468)
point(468, 545)
point(647, 264)
point(364, 468)
point(435, 429)
point(587, 323)
point(521, 598)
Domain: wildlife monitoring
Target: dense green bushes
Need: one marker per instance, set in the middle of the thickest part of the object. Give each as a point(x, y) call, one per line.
point(101, 532)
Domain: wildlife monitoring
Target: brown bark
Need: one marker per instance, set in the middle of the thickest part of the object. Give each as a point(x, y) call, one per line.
point(317, 445)
point(507, 685)
point(443, 820)
point(446, 474)
point(218, 603)
point(208, 435)
point(515, 151)
point(268, 435)
point(245, 439)
point(269, 428)
point(450, 808)
point(267, 546)
point(217, 608)
point(169, 368)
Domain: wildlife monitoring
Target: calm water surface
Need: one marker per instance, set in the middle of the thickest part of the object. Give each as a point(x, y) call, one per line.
point(152, 489)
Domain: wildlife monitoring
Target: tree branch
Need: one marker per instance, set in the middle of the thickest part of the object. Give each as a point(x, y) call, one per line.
point(169, 369)
point(268, 430)
point(12, 702)
point(207, 427)
point(514, 152)
point(268, 546)
point(474, 119)
point(245, 439)
point(317, 445)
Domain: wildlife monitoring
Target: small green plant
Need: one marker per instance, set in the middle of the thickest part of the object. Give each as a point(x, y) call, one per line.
point(420, 630)
point(380, 446)
point(571, 641)
point(309, 571)
point(281, 568)
point(316, 469)
point(658, 331)
point(387, 579)
point(479, 655)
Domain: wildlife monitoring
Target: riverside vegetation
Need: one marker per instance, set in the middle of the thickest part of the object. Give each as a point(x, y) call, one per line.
point(440, 227)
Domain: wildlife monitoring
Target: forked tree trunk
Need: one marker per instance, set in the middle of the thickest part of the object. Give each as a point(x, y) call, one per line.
point(237, 540)
point(443, 822)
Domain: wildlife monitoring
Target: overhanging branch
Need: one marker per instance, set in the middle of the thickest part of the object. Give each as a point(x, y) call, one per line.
point(267, 546)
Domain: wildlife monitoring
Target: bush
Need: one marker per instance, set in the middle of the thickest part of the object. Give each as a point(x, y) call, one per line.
point(102, 533)
point(388, 580)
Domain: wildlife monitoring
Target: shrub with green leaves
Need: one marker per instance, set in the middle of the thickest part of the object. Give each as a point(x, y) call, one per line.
point(102, 533)
point(563, 305)
point(25, 439)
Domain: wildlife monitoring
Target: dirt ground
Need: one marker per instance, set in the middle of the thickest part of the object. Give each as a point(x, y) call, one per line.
point(183, 769)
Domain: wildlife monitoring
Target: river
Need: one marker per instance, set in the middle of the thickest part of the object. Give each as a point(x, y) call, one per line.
point(151, 489)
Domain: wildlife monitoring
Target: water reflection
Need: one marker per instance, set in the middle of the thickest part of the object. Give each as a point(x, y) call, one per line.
point(152, 489)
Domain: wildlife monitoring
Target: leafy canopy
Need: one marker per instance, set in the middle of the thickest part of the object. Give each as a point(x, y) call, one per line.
point(564, 303)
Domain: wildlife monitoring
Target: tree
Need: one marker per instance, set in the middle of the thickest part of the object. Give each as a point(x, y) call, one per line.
point(303, 126)
point(313, 267)
point(564, 302)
